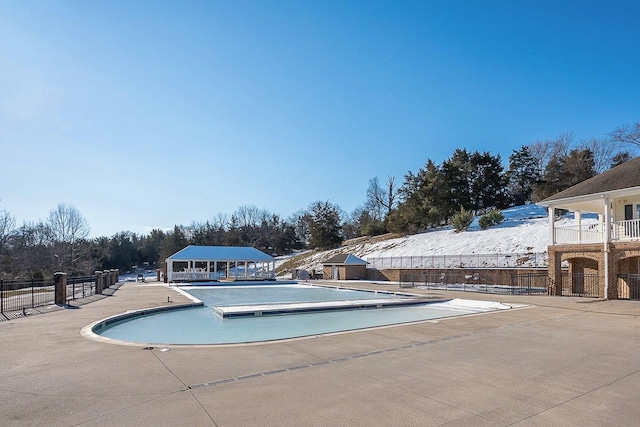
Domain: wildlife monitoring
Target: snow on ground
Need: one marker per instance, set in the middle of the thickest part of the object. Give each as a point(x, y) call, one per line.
point(525, 229)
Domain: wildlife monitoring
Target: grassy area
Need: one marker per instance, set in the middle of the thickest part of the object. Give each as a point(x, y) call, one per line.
point(26, 291)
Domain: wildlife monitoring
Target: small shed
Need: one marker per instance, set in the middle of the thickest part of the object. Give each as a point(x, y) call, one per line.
point(207, 263)
point(344, 267)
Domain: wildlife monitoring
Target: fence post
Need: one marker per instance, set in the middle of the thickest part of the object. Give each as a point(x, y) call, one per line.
point(98, 282)
point(1, 296)
point(32, 292)
point(60, 283)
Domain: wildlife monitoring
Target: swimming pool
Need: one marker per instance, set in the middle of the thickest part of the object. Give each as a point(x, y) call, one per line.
point(204, 324)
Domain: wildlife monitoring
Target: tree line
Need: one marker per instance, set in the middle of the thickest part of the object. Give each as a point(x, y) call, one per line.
point(477, 182)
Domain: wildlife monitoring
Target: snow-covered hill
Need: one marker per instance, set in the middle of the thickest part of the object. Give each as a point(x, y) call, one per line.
point(524, 230)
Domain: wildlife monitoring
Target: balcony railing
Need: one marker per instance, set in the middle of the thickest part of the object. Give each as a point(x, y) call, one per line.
point(594, 233)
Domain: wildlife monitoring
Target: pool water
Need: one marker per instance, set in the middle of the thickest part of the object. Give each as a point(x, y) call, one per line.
point(201, 325)
point(215, 296)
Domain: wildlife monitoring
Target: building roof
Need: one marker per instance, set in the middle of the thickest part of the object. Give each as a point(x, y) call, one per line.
point(345, 259)
point(220, 253)
point(615, 182)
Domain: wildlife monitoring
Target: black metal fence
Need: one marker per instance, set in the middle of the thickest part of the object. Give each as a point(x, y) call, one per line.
point(80, 287)
point(497, 260)
point(20, 295)
point(521, 284)
point(580, 285)
point(17, 295)
point(629, 286)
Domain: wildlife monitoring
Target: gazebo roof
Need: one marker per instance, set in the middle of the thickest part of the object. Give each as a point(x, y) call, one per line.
point(220, 253)
point(345, 259)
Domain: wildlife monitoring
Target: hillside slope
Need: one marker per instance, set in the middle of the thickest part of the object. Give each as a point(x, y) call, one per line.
point(524, 230)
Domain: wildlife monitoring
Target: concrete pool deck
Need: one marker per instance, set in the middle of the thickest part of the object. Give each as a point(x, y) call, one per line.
point(562, 361)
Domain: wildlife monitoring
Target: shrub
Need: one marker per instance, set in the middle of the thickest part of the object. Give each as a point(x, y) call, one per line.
point(484, 222)
point(462, 220)
point(493, 217)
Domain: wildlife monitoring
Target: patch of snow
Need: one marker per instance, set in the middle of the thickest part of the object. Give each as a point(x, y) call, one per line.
point(525, 229)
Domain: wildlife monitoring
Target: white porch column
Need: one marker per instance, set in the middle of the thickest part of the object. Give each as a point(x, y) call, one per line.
point(578, 215)
point(169, 270)
point(607, 220)
point(552, 234)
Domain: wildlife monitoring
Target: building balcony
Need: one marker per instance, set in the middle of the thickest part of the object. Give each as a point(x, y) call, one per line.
point(621, 231)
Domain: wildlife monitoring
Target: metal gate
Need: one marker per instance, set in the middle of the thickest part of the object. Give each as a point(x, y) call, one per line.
point(629, 286)
point(580, 285)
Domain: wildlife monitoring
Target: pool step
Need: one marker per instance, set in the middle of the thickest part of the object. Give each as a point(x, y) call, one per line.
point(307, 307)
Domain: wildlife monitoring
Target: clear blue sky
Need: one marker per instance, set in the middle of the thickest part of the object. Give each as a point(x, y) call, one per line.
point(146, 114)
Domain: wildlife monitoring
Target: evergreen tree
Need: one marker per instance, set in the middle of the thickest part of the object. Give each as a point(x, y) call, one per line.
point(579, 165)
point(173, 242)
point(152, 245)
point(552, 181)
point(457, 174)
point(522, 176)
point(487, 182)
point(620, 158)
point(324, 226)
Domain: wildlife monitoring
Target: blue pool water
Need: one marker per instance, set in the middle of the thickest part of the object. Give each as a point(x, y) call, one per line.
point(268, 294)
point(201, 325)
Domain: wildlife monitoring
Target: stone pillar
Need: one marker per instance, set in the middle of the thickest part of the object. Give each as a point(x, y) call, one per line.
point(98, 282)
point(610, 273)
point(158, 275)
point(112, 272)
point(117, 274)
point(60, 284)
point(107, 279)
point(555, 270)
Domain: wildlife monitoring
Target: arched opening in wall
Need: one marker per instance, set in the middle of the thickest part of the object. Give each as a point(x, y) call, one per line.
point(629, 278)
point(582, 279)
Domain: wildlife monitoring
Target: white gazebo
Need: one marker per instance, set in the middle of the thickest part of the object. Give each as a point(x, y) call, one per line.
point(206, 263)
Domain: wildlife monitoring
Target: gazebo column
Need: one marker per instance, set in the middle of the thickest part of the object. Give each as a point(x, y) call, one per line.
point(552, 234)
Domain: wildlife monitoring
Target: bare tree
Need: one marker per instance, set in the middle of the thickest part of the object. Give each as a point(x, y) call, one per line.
point(375, 196)
point(248, 216)
point(627, 134)
point(221, 221)
point(392, 195)
point(541, 153)
point(68, 227)
point(604, 152)
point(561, 145)
point(381, 201)
point(7, 227)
